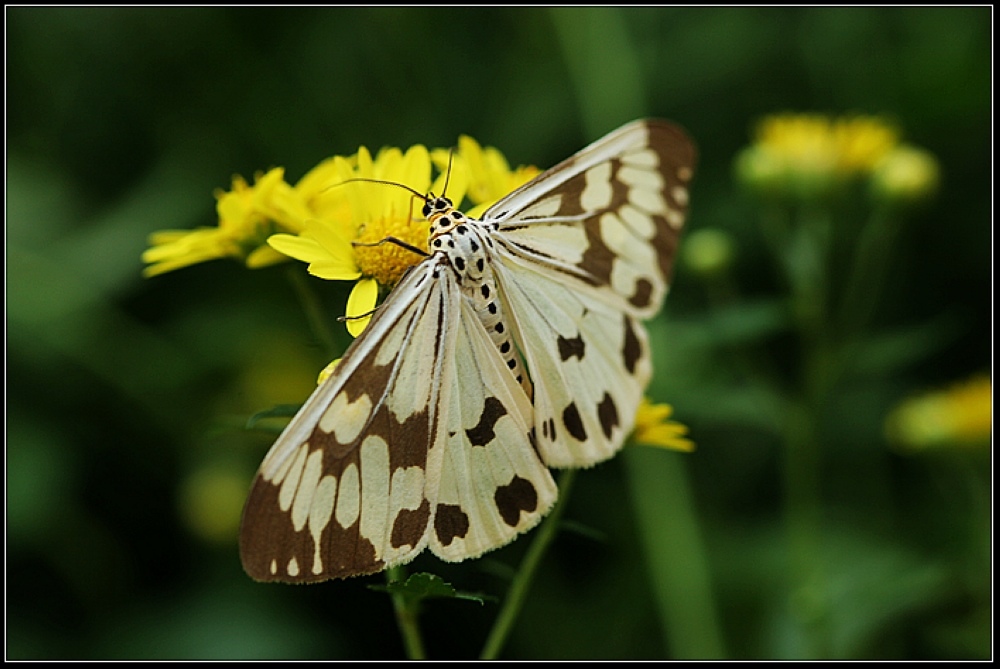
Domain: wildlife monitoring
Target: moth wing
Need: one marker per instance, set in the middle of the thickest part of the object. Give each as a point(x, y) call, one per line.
point(420, 436)
point(343, 491)
point(588, 361)
point(493, 484)
point(609, 217)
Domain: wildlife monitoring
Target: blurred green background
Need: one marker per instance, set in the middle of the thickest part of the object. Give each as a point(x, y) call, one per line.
point(127, 460)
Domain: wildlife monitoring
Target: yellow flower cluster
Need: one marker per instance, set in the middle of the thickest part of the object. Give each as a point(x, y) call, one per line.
point(336, 216)
point(248, 215)
point(809, 155)
point(961, 415)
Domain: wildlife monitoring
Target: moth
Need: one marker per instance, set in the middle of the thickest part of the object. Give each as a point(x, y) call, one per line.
point(514, 346)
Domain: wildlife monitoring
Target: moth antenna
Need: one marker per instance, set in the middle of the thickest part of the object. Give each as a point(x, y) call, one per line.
point(398, 242)
point(380, 181)
point(447, 174)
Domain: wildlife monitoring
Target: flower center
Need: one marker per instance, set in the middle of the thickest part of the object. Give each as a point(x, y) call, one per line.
point(387, 262)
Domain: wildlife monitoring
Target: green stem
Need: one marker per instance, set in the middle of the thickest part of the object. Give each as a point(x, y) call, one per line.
point(803, 507)
point(407, 615)
point(799, 239)
point(676, 556)
point(807, 262)
point(313, 310)
point(522, 580)
point(866, 279)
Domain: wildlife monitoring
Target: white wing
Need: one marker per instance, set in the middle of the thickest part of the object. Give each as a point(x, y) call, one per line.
point(609, 217)
point(420, 436)
point(589, 363)
point(585, 250)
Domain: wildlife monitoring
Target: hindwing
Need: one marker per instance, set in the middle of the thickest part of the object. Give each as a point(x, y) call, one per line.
point(589, 365)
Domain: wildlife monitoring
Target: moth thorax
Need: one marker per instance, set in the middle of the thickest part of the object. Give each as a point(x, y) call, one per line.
point(443, 220)
point(461, 239)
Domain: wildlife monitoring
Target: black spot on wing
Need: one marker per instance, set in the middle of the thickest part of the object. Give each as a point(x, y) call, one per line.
point(517, 496)
point(450, 523)
point(482, 433)
point(569, 348)
point(573, 422)
point(607, 412)
point(410, 525)
point(632, 348)
point(643, 295)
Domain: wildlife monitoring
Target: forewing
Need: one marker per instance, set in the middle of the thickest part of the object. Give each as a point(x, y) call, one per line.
point(421, 435)
point(608, 217)
point(344, 489)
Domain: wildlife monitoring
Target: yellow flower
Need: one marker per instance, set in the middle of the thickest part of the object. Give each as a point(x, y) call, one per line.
point(862, 141)
point(802, 142)
point(352, 216)
point(248, 215)
point(653, 428)
point(958, 416)
point(337, 219)
point(343, 241)
point(808, 154)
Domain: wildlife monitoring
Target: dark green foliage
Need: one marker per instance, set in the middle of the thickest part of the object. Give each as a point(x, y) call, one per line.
point(127, 398)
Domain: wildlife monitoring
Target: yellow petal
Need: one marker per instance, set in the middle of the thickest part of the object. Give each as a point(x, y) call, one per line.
point(360, 304)
point(457, 182)
point(300, 248)
point(321, 263)
point(264, 256)
point(665, 436)
point(320, 178)
point(415, 168)
point(327, 371)
point(333, 271)
point(333, 240)
point(478, 211)
point(653, 428)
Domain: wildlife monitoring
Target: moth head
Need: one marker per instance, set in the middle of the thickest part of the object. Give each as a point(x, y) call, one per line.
point(436, 205)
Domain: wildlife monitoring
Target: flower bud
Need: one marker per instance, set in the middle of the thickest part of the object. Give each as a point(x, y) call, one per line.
point(708, 252)
point(905, 175)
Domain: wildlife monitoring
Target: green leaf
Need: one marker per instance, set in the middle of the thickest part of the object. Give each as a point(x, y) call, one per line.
point(277, 411)
point(888, 352)
point(423, 586)
point(583, 530)
point(731, 325)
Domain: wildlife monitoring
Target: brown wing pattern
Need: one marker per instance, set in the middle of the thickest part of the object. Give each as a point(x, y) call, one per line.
point(608, 217)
